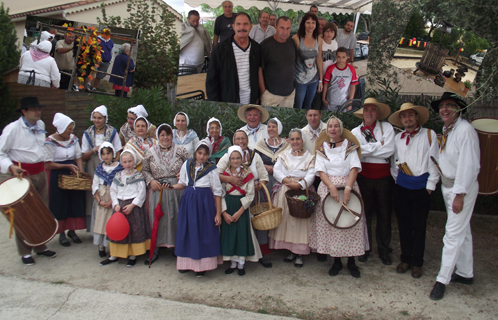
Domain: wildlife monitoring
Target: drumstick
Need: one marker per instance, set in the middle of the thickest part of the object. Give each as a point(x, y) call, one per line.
point(19, 174)
point(356, 218)
point(437, 166)
point(400, 167)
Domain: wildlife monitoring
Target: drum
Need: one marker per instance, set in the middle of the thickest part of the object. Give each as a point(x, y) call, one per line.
point(338, 215)
point(33, 221)
point(487, 131)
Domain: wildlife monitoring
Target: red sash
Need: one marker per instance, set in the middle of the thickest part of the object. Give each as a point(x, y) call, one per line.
point(375, 171)
point(248, 178)
point(32, 168)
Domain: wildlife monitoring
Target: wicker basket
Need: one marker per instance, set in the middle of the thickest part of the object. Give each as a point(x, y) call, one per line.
point(266, 216)
point(80, 181)
point(296, 206)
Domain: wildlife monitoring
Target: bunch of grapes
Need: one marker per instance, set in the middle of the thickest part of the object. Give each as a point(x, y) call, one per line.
point(309, 204)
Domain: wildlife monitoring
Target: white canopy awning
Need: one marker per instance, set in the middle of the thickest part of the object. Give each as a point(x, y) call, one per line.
point(331, 6)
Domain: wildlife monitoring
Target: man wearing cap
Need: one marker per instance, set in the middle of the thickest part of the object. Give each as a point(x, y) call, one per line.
point(377, 146)
point(459, 160)
point(233, 69)
point(126, 132)
point(416, 177)
point(22, 142)
point(254, 115)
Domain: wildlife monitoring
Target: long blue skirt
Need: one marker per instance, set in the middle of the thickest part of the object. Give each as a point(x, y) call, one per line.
point(197, 237)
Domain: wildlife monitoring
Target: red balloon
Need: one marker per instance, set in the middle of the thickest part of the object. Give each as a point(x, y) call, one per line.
point(117, 227)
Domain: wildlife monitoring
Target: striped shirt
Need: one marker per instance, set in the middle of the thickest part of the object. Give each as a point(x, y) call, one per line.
point(243, 66)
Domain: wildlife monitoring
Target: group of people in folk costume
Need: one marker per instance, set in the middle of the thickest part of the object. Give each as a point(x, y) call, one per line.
point(209, 185)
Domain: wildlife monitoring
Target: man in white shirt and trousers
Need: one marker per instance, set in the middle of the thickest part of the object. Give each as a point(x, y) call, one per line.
point(22, 142)
point(459, 160)
point(416, 177)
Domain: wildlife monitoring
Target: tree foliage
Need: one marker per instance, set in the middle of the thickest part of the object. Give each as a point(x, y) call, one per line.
point(10, 59)
point(159, 48)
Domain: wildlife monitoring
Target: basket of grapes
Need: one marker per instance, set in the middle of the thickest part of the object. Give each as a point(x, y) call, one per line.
point(302, 203)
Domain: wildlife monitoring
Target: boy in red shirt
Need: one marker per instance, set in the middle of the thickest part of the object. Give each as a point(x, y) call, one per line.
point(339, 82)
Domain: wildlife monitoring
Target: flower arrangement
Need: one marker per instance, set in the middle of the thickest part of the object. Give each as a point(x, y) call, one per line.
point(90, 54)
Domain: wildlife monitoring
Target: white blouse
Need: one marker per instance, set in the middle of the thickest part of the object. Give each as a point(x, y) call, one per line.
point(245, 201)
point(135, 191)
point(211, 180)
point(298, 167)
point(97, 181)
point(99, 139)
point(59, 154)
point(336, 165)
point(257, 167)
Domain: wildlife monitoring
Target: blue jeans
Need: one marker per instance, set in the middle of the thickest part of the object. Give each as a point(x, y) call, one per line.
point(305, 94)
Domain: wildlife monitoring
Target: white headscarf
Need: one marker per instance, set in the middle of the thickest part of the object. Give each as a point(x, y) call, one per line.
point(183, 114)
point(146, 121)
point(157, 130)
point(235, 148)
point(106, 144)
point(45, 35)
point(61, 122)
point(213, 119)
point(139, 111)
point(128, 151)
point(205, 142)
point(279, 125)
point(44, 46)
point(100, 109)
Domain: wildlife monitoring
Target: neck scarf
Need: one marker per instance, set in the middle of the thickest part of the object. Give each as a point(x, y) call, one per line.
point(369, 128)
point(408, 135)
point(253, 131)
point(107, 177)
point(38, 55)
point(315, 133)
point(446, 132)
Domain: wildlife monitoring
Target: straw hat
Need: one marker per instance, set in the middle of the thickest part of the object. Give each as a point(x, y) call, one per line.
point(242, 110)
point(346, 134)
point(385, 110)
point(423, 114)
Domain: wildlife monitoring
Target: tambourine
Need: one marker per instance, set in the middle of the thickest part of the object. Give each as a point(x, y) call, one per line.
point(343, 216)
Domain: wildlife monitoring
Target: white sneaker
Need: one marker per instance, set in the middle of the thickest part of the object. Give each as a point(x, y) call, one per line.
point(290, 257)
point(75, 88)
point(299, 262)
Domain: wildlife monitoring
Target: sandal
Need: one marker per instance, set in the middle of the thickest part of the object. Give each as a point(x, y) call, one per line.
point(71, 234)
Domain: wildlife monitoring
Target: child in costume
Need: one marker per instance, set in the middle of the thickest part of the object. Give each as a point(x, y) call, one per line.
point(101, 191)
point(128, 196)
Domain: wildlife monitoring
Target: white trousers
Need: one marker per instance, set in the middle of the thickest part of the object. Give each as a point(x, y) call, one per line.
point(457, 249)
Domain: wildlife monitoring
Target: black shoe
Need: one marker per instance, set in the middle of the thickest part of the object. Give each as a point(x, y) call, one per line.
point(47, 253)
point(291, 257)
point(437, 292)
point(386, 258)
point(154, 258)
point(229, 271)
point(102, 253)
point(241, 272)
point(28, 261)
point(455, 278)
point(71, 234)
point(265, 262)
point(200, 274)
point(131, 262)
point(183, 271)
point(336, 267)
point(355, 272)
point(108, 261)
point(63, 240)
point(364, 258)
point(321, 257)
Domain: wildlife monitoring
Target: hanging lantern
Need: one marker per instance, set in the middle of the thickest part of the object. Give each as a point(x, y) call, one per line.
point(414, 41)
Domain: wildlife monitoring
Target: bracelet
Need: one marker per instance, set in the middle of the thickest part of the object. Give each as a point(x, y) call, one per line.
point(348, 187)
